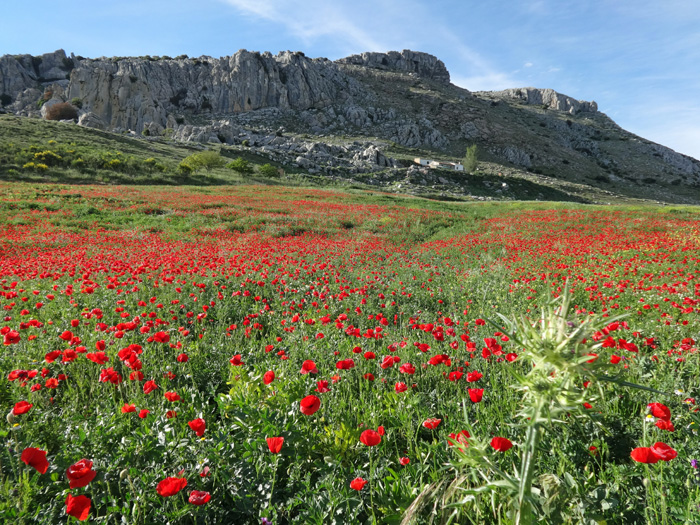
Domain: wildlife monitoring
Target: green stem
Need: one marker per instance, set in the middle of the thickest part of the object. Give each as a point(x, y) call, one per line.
point(527, 468)
point(371, 488)
point(274, 478)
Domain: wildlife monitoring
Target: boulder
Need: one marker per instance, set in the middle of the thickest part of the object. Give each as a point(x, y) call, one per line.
point(90, 120)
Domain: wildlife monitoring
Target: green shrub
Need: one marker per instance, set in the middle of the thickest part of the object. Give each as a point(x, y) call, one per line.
point(76, 102)
point(184, 169)
point(240, 165)
point(267, 170)
point(204, 160)
point(5, 99)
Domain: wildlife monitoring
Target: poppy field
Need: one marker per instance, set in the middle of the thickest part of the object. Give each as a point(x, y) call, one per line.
point(258, 354)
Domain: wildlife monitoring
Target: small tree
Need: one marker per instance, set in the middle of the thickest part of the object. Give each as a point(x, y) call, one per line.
point(470, 159)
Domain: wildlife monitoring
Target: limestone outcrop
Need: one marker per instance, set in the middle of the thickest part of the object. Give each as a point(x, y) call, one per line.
point(422, 64)
point(549, 99)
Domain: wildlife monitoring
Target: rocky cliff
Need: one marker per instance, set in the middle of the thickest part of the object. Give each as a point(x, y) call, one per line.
point(402, 98)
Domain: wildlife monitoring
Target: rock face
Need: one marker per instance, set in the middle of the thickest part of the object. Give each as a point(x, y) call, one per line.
point(549, 98)
point(365, 102)
point(135, 92)
point(422, 64)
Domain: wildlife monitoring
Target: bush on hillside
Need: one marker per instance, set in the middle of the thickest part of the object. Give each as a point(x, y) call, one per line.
point(267, 170)
point(204, 160)
point(240, 165)
point(62, 111)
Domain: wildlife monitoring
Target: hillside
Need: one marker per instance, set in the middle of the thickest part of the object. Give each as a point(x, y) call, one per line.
point(359, 120)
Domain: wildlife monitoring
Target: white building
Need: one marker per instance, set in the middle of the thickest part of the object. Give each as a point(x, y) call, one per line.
point(436, 164)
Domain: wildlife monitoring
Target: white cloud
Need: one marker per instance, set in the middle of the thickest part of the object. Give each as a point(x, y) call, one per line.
point(528, 64)
point(312, 19)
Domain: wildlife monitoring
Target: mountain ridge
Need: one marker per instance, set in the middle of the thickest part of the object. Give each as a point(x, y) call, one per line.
point(404, 98)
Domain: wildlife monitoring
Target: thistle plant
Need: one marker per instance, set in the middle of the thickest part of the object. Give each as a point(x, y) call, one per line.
point(558, 359)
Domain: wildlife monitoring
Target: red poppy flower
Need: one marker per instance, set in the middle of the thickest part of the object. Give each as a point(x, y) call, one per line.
point(80, 474)
point(161, 337)
point(659, 410)
point(460, 437)
point(663, 451)
point(172, 396)
point(11, 338)
point(370, 438)
point(432, 423)
point(358, 483)
point(98, 357)
point(199, 497)
point(308, 367)
point(407, 368)
point(236, 360)
point(109, 375)
point(127, 408)
point(345, 364)
point(52, 356)
point(404, 461)
point(664, 424)
point(144, 413)
point(476, 394)
point(149, 386)
point(171, 486)
point(644, 455)
point(198, 425)
point(275, 444)
point(474, 376)
point(309, 405)
point(78, 507)
point(182, 358)
point(455, 375)
point(387, 362)
point(170, 414)
point(21, 407)
point(269, 377)
point(400, 387)
point(322, 386)
point(35, 458)
point(501, 444)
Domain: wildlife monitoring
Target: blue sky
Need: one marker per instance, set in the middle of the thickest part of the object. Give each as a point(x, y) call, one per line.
point(639, 59)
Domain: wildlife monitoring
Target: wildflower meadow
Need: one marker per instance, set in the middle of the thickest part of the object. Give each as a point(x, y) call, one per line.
point(267, 354)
